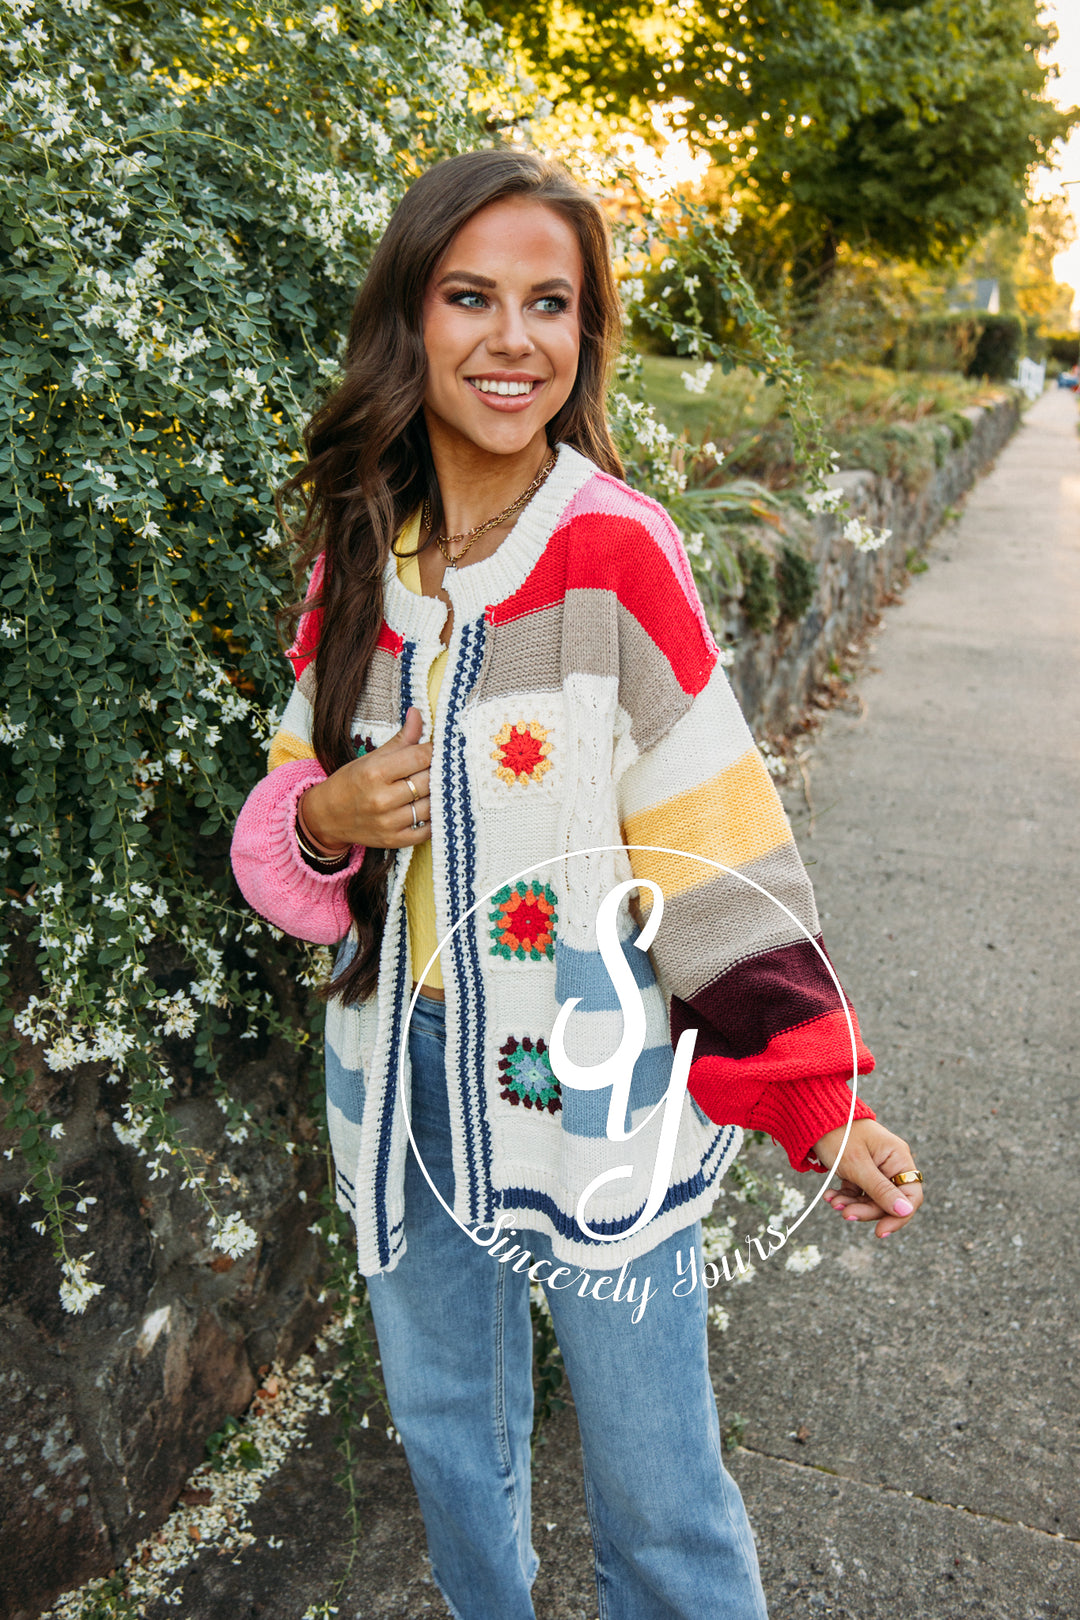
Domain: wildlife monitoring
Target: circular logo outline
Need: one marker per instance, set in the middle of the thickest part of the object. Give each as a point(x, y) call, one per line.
point(598, 849)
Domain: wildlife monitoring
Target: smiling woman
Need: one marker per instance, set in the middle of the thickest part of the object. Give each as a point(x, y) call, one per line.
point(510, 714)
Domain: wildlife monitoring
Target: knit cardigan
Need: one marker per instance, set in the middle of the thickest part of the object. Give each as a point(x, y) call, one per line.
point(584, 709)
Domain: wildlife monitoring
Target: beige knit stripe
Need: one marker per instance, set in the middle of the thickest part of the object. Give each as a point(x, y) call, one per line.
point(286, 747)
point(381, 696)
point(712, 730)
point(735, 817)
point(729, 921)
point(306, 683)
point(648, 689)
point(524, 655)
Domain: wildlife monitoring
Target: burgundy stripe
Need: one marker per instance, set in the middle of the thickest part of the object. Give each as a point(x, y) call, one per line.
point(738, 1014)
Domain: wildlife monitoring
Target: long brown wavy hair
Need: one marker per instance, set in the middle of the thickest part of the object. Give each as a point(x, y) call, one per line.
point(369, 463)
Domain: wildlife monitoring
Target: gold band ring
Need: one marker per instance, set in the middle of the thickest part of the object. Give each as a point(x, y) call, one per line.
point(412, 789)
point(905, 1177)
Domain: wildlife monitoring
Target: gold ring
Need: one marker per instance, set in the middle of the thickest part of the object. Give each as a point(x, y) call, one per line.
point(905, 1177)
point(412, 789)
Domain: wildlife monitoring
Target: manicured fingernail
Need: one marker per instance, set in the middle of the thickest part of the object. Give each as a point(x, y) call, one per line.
point(851, 1217)
point(903, 1207)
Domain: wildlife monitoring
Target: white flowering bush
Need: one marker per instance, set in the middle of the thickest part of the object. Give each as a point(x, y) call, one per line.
point(188, 203)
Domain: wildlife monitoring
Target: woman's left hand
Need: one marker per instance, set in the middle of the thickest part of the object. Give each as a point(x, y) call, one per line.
point(866, 1193)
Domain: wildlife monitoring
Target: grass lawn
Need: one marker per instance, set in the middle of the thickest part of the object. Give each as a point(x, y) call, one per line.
point(899, 423)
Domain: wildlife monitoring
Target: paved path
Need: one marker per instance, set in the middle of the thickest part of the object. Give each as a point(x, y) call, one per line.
point(938, 1373)
point(935, 1377)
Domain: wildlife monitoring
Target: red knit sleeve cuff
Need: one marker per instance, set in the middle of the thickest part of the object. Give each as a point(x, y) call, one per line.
point(798, 1113)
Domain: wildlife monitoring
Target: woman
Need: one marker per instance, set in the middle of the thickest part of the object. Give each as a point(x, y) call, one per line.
point(502, 662)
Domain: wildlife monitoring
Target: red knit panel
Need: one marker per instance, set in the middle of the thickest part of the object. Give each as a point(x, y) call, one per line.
point(795, 1113)
point(302, 652)
point(819, 1049)
point(594, 552)
point(390, 641)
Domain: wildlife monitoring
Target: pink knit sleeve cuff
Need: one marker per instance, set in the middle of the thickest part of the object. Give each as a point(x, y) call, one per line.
point(274, 877)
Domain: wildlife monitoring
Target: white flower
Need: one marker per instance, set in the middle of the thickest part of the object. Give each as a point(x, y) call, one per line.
point(11, 629)
point(709, 449)
point(732, 220)
point(56, 1131)
point(233, 1236)
point(791, 1203)
point(719, 1317)
point(76, 1290)
point(325, 21)
point(863, 537)
point(696, 382)
point(824, 500)
point(804, 1259)
point(695, 545)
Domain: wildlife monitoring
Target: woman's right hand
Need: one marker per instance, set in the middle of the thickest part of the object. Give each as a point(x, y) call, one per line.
point(369, 800)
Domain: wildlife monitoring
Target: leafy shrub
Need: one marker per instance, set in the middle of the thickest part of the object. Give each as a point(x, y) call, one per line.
point(1001, 343)
point(796, 582)
point(760, 595)
point(188, 203)
point(1062, 349)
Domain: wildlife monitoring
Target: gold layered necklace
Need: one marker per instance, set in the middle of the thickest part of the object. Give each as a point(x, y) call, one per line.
point(444, 542)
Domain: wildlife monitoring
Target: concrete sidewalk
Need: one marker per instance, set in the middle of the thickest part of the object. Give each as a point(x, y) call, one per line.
point(934, 1378)
point(938, 1373)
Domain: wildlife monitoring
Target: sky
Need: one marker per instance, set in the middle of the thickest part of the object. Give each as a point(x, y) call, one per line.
point(1066, 92)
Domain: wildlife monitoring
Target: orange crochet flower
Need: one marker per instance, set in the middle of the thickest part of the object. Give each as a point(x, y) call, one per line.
point(521, 750)
point(523, 921)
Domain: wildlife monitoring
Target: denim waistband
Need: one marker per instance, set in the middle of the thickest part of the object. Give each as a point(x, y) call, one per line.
point(429, 1014)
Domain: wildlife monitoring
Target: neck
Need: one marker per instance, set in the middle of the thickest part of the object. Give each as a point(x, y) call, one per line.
point(475, 483)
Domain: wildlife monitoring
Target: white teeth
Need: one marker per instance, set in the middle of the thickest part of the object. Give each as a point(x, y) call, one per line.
point(488, 385)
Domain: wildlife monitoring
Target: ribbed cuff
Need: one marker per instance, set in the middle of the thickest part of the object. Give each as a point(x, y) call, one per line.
point(798, 1113)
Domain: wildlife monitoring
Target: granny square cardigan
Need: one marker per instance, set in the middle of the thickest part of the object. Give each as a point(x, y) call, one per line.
point(584, 712)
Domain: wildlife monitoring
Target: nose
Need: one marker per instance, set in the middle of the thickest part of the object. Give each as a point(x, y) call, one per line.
point(510, 333)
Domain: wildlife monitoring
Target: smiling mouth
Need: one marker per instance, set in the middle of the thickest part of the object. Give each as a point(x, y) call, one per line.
point(505, 390)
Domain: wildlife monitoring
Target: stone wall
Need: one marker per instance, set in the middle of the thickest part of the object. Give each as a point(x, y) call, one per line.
point(105, 1414)
point(775, 673)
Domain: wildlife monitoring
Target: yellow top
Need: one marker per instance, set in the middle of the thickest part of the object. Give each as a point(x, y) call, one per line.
point(420, 882)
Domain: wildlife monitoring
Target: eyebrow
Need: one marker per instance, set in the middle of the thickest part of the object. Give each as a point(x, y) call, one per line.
point(486, 281)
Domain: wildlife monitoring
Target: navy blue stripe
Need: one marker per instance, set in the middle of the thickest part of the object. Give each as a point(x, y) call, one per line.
point(566, 1225)
point(460, 834)
point(389, 1096)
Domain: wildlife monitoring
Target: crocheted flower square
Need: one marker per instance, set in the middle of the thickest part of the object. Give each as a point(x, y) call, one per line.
point(521, 752)
point(523, 922)
point(527, 1077)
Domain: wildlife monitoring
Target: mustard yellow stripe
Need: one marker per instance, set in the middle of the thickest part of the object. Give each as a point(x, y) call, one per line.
point(735, 817)
point(285, 748)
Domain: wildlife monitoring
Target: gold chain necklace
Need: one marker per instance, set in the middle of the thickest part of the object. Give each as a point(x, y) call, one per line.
point(472, 535)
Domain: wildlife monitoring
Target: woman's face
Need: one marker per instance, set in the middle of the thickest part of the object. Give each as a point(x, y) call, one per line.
point(501, 327)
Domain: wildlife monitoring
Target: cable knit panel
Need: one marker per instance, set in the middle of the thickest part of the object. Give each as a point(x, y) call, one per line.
point(273, 876)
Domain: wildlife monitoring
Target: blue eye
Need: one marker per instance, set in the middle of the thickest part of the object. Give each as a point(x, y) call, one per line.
point(460, 297)
point(558, 304)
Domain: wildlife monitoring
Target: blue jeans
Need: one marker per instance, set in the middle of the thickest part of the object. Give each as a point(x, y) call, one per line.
point(670, 1532)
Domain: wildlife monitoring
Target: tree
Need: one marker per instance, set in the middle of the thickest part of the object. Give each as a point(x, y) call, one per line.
point(906, 128)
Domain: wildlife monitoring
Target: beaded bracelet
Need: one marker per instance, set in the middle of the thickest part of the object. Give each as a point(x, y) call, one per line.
point(316, 857)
